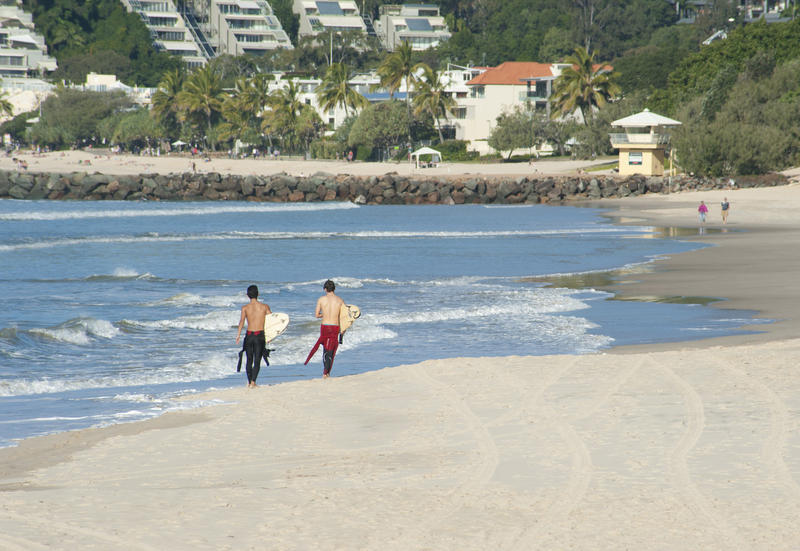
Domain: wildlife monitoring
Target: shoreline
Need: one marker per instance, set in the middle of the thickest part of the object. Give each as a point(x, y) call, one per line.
point(738, 267)
point(690, 444)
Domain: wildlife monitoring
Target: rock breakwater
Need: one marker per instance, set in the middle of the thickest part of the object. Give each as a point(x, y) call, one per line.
point(391, 189)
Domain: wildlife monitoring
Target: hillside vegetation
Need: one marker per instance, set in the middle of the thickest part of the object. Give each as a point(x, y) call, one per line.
point(99, 36)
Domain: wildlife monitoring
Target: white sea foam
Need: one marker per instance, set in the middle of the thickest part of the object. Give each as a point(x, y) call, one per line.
point(266, 236)
point(214, 366)
point(221, 320)
point(205, 210)
point(127, 273)
point(78, 331)
point(190, 299)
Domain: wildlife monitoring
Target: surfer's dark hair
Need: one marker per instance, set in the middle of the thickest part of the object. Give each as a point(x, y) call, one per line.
point(329, 286)
point(252, 291)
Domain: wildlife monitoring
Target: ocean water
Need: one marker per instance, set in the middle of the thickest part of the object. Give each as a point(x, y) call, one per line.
point(112, 310)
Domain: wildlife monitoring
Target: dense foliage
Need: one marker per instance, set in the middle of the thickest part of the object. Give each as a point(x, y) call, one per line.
point(99, 36)
point(755, 129)
point(492, 31)
point(697, 73)
point(72, 117)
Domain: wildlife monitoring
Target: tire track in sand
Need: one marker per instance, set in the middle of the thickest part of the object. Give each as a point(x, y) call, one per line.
point(581, 467)
point(478, 473)
point(678, 461)
point(772, 449)
point(54, 527)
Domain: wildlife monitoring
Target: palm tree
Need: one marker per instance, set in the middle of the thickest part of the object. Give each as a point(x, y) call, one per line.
point(286, 106)
point(201, 98)
point(336, 90)
point(432, 96)
point(396, 68)
point(165, 108)
point(6, 108)
point(238, 114)
point(583, 86)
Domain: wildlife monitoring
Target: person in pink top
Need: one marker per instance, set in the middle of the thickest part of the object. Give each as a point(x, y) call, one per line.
point(702, 210)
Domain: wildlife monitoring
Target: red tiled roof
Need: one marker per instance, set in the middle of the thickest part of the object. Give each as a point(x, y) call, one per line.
point(513, 72)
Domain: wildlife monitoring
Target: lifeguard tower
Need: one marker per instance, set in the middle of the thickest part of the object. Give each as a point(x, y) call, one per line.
point(643, 145)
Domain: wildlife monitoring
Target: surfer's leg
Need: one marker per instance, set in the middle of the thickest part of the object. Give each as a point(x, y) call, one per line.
point(258, 352)
point(248, 366)
point(327, 362)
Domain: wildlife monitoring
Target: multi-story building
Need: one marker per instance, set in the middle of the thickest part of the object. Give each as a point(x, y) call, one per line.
point(498, 90)
point(420, 25)
point(237, 27)
point(169, 30)
point(318, 17)
point(23, 52)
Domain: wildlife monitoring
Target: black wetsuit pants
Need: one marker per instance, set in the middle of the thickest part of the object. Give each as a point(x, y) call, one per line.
point(254, 345)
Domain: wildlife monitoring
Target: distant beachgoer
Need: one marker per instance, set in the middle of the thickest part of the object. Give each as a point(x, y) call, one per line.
point(254, 341)
point(328, 307)
point(702, 210)
point(725, 207)
point(350, 156)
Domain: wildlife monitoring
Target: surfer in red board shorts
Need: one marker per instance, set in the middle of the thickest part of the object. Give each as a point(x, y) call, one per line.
point(328, 307)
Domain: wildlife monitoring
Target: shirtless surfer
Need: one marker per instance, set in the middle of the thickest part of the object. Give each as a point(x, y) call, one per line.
point(328, 307)
point(254, 341)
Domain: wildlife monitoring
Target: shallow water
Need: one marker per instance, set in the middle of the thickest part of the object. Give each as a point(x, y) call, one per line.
point(113, 309)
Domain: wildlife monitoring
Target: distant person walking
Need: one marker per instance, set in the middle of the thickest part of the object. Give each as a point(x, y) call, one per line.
point(254, 341)
point(328, 307)
point(702, 210)
point(725, 207)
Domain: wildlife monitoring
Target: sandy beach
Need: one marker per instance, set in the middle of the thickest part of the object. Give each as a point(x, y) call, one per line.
point(679, 446)
point(108, 163)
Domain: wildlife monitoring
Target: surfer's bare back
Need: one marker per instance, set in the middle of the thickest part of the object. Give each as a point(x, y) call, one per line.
point(328, 307)
point(254, 341)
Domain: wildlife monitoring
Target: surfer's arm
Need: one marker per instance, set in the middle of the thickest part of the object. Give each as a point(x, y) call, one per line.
point(318, 312)
point(241, 325)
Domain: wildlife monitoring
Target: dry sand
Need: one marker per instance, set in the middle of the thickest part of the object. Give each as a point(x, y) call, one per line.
point(83, 161)
point(696, 446)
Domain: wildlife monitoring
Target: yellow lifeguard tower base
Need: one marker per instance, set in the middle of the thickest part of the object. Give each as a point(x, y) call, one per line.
point(643, 145)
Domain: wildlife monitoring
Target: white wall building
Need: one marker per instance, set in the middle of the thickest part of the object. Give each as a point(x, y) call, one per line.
point(168, 29)
point(317, 16)
point(497, 90)
point(23, 52)
point(420, 25)
point(237, 27)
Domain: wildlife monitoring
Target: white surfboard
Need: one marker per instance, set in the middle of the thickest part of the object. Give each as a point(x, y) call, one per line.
point(275, 324)
point(348, 313)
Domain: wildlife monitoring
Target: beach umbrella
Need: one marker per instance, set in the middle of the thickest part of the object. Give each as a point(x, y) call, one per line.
point(178, 142)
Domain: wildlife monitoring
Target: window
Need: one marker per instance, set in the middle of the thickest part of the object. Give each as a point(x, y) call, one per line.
point(478, 92)
point(14, 61)
point(459, 113)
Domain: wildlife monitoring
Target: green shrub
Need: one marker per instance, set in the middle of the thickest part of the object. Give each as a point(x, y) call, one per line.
point(327, 149)
point(456, 150)
point(364, 153)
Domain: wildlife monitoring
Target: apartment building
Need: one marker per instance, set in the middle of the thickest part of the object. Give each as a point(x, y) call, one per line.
point(169, 30)
point(500, 89)
point(421, 25)
point(328, 16)
point(23, 52)
point(237, 27)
